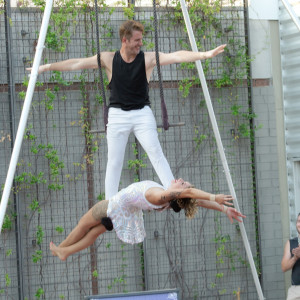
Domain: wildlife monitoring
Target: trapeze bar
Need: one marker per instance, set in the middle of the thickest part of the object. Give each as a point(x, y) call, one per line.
point(172, 125)
point(158, 126)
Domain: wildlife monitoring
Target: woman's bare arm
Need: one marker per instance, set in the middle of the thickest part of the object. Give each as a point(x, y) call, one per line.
point(231, 212)
point(158, 196)
point(288, 260)
point(196, 194)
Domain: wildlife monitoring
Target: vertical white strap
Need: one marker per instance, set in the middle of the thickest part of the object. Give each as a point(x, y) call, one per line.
point(25, 112)
point(220, 146)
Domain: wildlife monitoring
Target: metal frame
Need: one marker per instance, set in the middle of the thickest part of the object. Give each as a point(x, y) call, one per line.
point(138, 295)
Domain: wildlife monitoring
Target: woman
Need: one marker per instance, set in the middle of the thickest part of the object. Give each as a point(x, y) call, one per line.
point(124, 213)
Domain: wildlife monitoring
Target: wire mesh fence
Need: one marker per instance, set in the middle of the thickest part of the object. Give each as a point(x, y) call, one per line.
point(61, 169)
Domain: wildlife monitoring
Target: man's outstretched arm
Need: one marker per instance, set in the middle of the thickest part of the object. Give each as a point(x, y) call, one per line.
point(188, 56)
point(72, 64)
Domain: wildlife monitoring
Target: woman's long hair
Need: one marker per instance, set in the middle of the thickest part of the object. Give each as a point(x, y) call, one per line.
point(189, 205)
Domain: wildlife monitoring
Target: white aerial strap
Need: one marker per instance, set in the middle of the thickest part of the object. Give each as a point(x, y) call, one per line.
point(220, 146)
point(25, 112)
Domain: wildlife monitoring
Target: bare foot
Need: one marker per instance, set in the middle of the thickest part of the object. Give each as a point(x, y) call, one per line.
point(53, 253)
point(58, 251)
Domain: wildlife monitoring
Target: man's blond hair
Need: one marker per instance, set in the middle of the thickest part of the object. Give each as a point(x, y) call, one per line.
point(127, 28)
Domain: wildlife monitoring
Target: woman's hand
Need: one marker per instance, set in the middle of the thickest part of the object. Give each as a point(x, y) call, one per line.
point(296, 252)
point(232, 213)
point(223, 199)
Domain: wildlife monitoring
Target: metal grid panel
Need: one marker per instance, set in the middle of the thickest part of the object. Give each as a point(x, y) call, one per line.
point(176, 253)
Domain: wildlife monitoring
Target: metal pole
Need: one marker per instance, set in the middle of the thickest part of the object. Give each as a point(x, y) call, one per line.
point(253, 147)
point(12, 113)
point(220, 146)
point(25, 112)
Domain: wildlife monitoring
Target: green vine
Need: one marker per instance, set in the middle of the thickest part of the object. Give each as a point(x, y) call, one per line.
point(136, 164)
point(121, 280)
point(224, 254)
point(206, 18)
point(2, 7)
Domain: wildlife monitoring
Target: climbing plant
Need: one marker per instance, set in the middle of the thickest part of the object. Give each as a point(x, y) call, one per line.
point(49, 169)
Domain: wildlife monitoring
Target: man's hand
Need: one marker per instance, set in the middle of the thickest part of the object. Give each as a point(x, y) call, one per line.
point(216, 51)
point(42, 68)
point(223, 199)
point(232, 213)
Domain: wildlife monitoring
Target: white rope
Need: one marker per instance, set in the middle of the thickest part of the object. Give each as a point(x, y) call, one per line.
point(220, 146)
point(25, 112)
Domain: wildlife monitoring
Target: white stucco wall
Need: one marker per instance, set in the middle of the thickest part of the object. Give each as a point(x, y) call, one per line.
point(263, 10)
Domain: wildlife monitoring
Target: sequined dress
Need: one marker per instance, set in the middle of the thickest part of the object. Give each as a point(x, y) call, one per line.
point(126, 211)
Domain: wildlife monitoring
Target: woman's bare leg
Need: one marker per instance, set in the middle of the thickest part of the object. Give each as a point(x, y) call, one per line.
point(88, 221)
point(63, 252)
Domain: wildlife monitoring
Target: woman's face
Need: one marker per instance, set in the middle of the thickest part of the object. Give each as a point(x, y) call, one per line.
point(180, 184)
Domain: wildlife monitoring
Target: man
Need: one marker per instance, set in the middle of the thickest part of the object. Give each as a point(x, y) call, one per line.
point(290, 260)
point(129, 71)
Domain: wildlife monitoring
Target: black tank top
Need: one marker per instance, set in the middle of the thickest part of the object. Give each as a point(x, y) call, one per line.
point(296, 267)
point(129, 86)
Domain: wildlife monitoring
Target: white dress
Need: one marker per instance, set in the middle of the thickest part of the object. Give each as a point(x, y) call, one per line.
point(126, 211)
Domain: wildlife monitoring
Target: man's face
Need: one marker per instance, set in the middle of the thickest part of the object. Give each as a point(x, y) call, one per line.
point(298, 224)
point(134, 44)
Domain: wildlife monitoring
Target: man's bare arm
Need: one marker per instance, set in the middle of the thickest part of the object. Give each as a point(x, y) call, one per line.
point(187, 56)
point(72, 64)
point(75, 64)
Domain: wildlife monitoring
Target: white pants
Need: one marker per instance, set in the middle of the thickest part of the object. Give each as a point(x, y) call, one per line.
point(142, 123)
point(294, 293)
